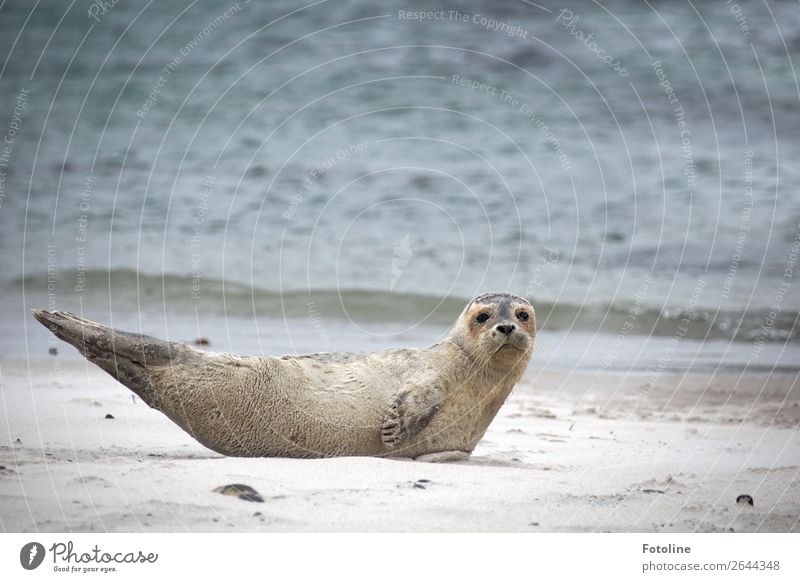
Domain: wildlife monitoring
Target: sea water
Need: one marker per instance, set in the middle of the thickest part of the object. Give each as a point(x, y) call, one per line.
point(362, 170)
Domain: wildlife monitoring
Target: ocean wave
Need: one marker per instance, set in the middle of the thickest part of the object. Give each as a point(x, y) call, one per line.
point(131, 291)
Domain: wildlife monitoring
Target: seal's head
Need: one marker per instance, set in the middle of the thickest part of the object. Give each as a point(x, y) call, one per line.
point(497, 330)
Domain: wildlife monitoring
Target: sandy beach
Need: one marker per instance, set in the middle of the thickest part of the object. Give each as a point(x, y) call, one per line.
point(570, 451)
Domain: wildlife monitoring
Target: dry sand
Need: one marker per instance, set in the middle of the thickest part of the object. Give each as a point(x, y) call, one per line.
point(568, 452)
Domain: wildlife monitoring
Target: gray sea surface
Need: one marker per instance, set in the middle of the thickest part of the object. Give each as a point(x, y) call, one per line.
point(629, 166)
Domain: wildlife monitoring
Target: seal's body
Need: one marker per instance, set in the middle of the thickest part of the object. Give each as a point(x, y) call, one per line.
point(433, 404)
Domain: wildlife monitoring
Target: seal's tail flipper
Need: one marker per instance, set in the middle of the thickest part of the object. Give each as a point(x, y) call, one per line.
point(126, 356)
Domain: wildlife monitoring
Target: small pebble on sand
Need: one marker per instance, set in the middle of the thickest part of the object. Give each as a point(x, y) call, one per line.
point(243, 492)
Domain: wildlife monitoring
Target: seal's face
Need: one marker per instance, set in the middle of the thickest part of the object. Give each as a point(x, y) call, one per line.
point(499, 329)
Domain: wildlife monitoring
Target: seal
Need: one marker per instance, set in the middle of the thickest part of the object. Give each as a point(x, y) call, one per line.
point(431, 404)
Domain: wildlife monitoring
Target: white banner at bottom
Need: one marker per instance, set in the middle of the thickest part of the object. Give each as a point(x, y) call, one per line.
point(401, 557)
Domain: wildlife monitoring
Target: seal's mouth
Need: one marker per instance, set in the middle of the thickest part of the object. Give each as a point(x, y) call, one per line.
point(511, 344)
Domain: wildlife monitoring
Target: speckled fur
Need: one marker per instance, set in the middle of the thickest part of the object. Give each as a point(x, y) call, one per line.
point(399, 403)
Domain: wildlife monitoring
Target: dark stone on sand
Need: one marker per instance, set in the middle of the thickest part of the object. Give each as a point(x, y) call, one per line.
point(202, 341)
point(653, 491)
point(243, 492)
point(110, 416)
point(744, 499)
point(52, 351)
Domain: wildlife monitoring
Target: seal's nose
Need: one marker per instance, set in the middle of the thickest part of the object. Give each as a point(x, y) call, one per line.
point(506, 329)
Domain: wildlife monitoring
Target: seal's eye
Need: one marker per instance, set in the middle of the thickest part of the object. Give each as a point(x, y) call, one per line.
point(482, 317)
point(523, 315)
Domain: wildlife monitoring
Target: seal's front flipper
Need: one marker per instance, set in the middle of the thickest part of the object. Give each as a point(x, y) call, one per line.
point(444, 457)
point(410, 411)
